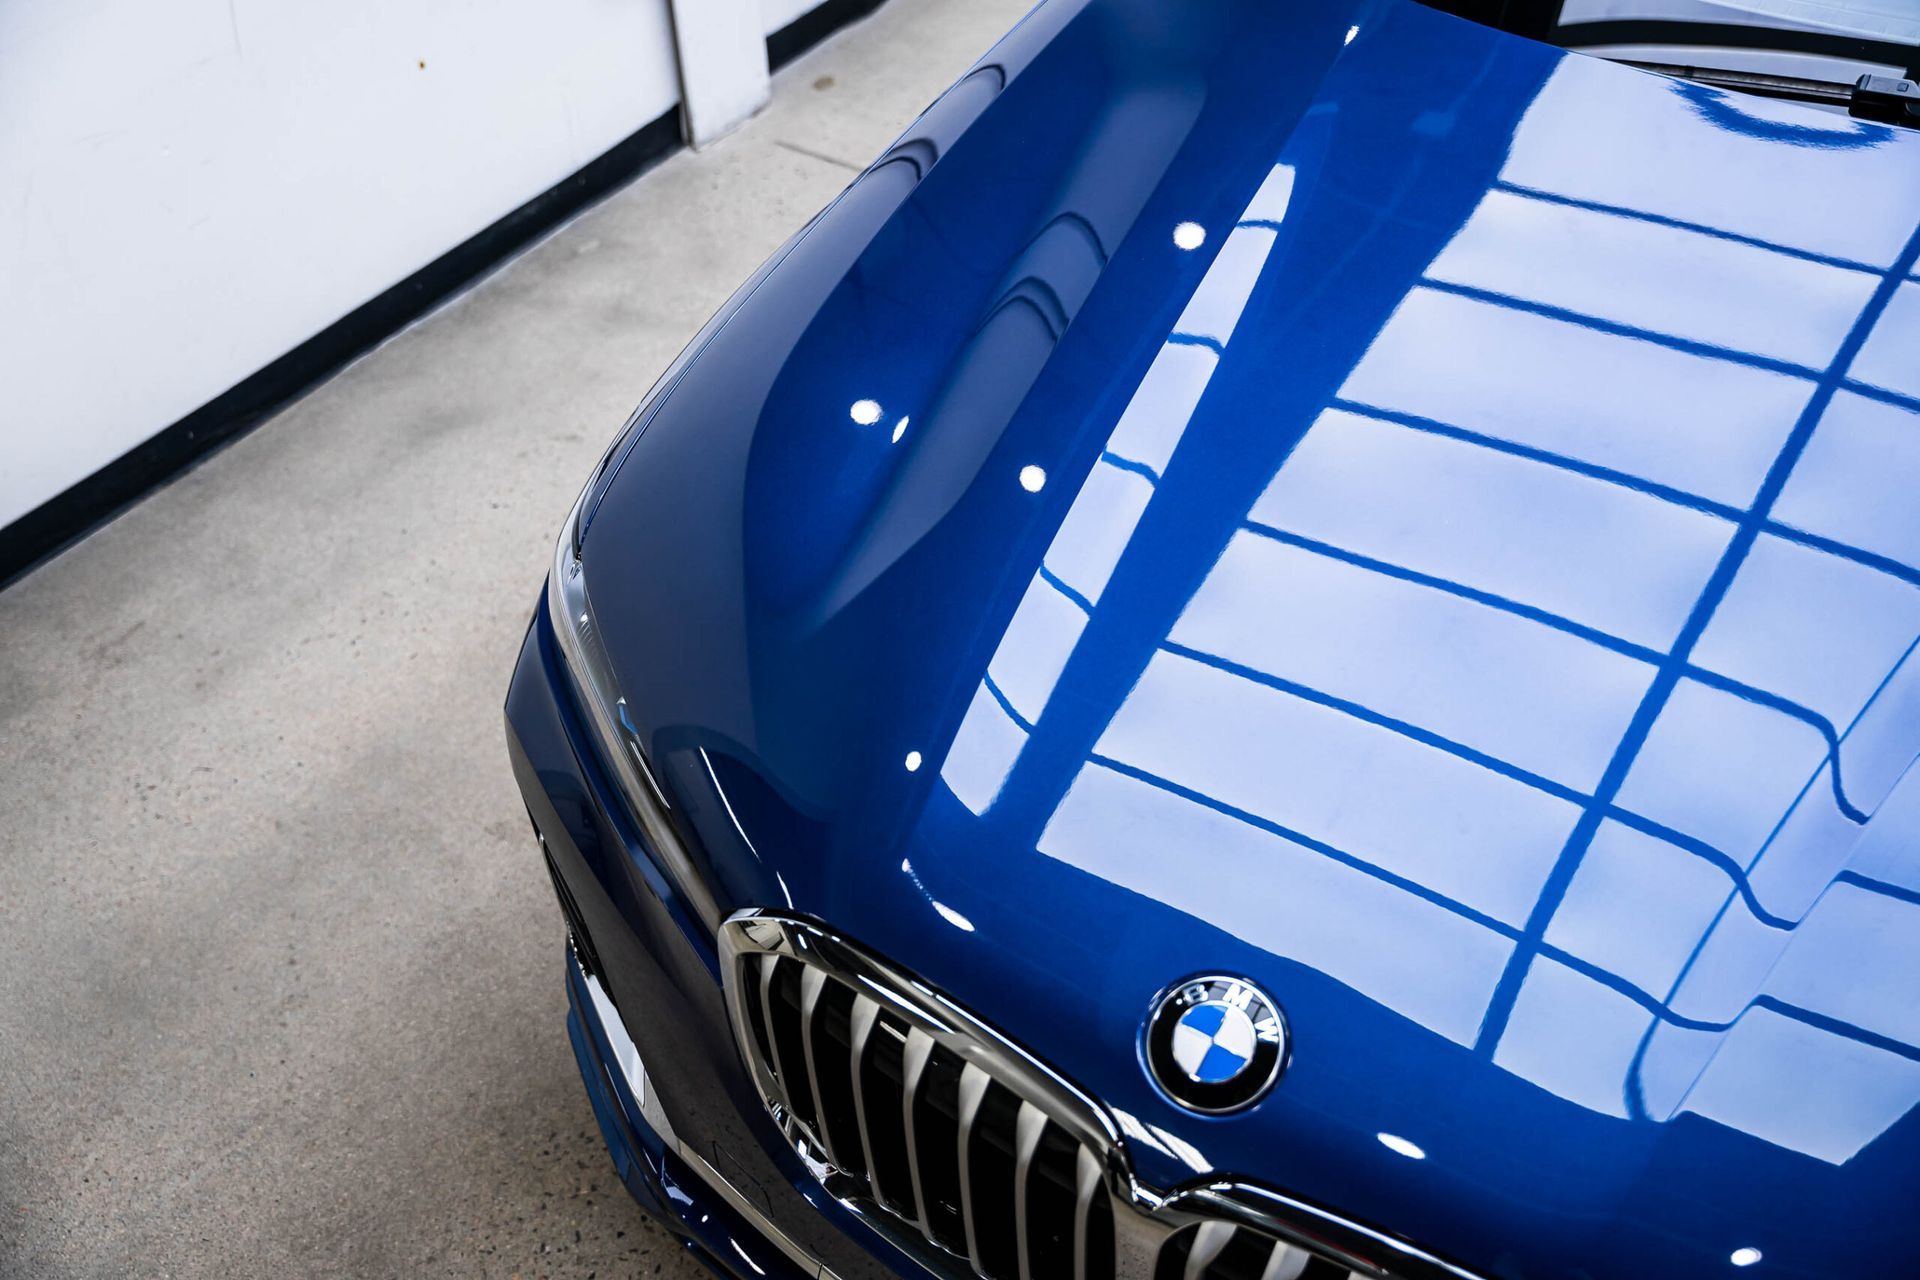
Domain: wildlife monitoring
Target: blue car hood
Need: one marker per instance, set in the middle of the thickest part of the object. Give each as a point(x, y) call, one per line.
point(1339, 495)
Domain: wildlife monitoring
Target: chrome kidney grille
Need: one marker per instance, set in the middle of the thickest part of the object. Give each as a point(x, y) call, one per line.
point(892, 1103)
point(976, 1159)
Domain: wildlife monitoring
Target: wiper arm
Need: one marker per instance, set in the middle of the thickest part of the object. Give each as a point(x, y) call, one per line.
point(1888, 99)
point(1830, 92)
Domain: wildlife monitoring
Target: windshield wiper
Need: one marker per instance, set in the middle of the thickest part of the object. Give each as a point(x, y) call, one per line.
point(1888, 99)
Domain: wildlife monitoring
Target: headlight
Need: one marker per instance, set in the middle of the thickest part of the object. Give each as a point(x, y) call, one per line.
point(598, 693)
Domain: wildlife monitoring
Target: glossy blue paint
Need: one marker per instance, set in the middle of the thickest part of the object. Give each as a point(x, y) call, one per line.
point(652, 1174)
point(1470, 588)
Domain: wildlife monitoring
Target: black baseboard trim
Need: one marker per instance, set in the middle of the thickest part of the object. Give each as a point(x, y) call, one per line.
point(71, 515)
point(810, 28)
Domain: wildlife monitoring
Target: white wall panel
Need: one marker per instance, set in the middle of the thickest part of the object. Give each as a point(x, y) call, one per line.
point(189, 190)
point(723, 66)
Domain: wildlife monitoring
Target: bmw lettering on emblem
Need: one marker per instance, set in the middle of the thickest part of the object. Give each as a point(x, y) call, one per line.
point(1215, 1044)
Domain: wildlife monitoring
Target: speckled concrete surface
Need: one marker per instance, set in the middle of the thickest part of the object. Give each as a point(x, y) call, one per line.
point(279, 973)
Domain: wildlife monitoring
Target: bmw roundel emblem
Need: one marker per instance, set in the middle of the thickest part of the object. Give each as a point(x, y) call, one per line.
point(1215, 1044)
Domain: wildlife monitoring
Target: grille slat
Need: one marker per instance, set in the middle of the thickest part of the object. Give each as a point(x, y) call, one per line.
point(1285, 1262)
point(991, 1167)
point(1247, 1256)
point(936, 1112)
point(865, 1014)
point(973, 1091)
point(1029, 1127)
point(1050, 1193)
point(789, 1037)
point(1224, 1251)
point(830, 1033)
point(1209, 1242)
point(919, 1048)
point(1088, 1202)
point(812, 983)
point(876, 1084)
point(764, 984)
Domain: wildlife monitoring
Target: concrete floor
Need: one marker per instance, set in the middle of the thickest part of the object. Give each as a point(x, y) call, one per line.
point(279, 970)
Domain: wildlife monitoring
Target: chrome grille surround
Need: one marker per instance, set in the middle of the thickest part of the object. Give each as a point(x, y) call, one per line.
point(975, 1158)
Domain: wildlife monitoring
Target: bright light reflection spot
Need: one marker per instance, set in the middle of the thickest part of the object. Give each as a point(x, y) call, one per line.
point(1351, 33)
point(1400, 1146)
point(1189, 235)
point(865, 412)
point(1745, 1257)
point(953, 917)
point(1032, 479)
point(913, 762)
point(899, 429)
point(745, 1258)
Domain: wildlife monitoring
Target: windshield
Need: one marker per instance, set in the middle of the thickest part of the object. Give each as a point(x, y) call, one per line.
point(1894, 21)
point(1831, 40)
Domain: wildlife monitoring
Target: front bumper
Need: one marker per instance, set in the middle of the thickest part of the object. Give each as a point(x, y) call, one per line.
point(686, 1130)
point(718, 1222)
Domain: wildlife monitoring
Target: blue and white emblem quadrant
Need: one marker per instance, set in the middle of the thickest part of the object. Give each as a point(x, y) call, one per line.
point(1213, 1042)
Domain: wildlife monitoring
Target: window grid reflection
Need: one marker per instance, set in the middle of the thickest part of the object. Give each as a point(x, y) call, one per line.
point(1673, 662)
